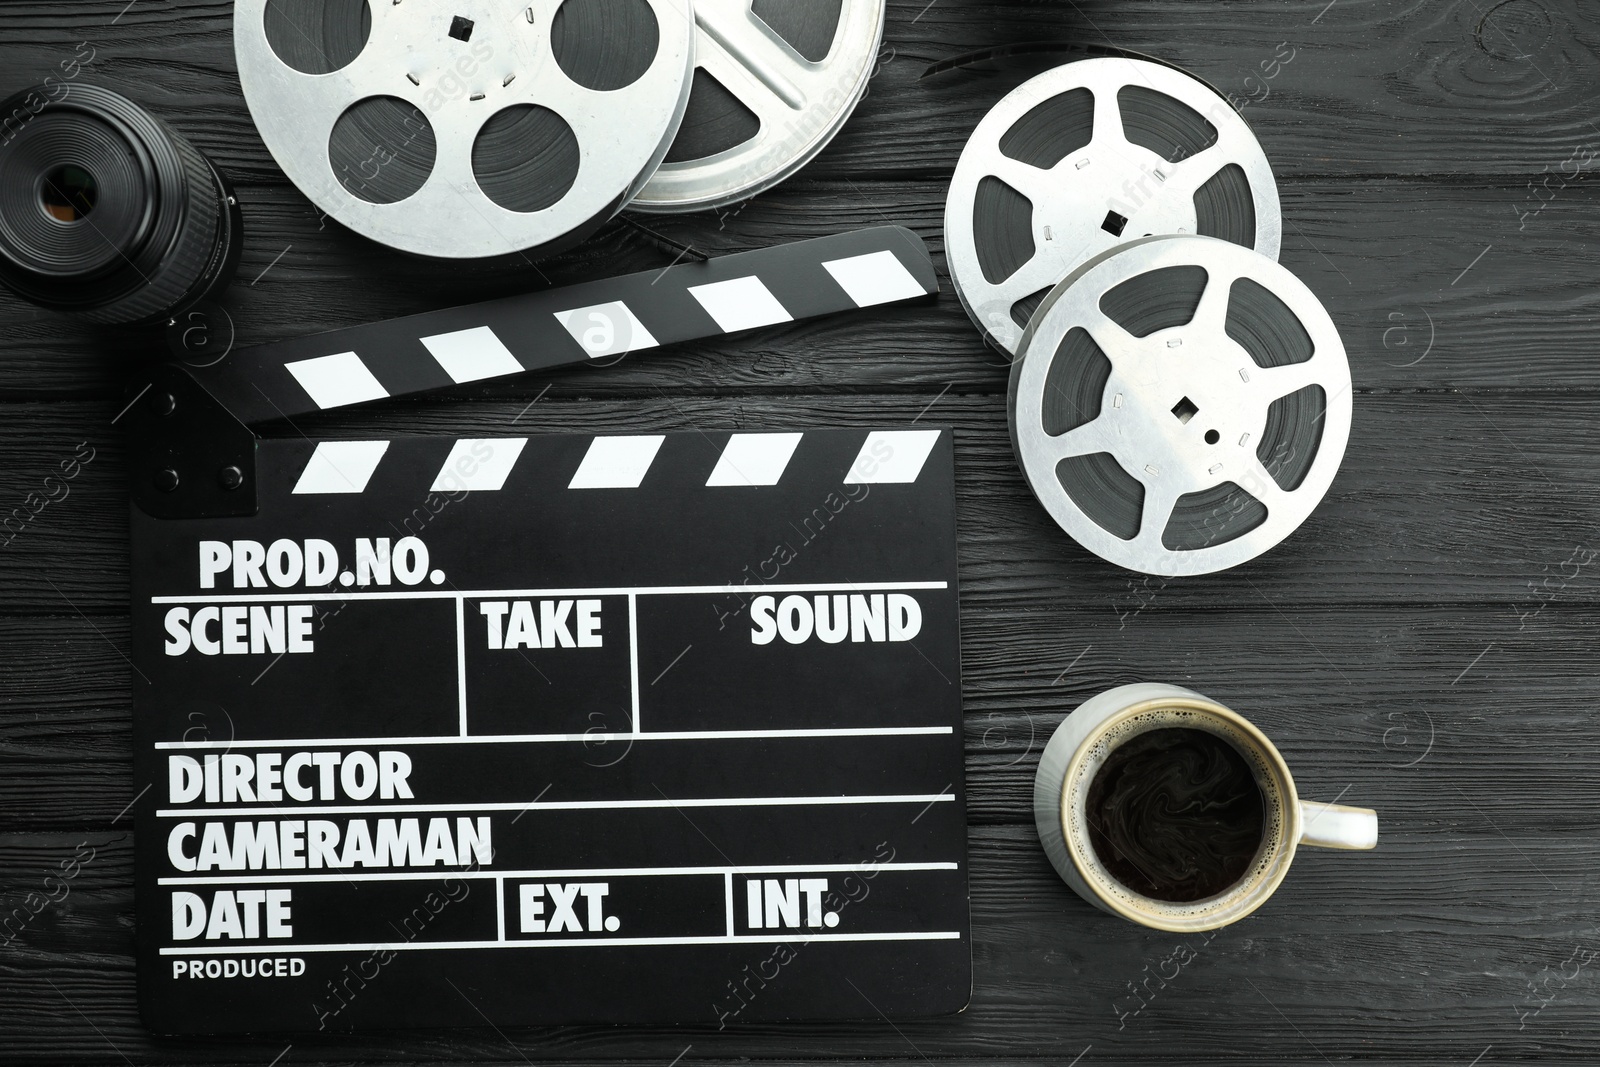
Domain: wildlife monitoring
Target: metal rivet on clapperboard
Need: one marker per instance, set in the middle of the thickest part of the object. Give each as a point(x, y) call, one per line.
point(166, 480)
point(164, 404)
point(230, 477)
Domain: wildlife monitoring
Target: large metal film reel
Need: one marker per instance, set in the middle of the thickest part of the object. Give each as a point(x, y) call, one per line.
point(774, 81)
point(1180, 404)
point(1084, 157)
point(467, 128)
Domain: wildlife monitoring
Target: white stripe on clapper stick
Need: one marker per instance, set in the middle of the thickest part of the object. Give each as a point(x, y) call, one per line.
point(472, 355)
point(341, 467)
point(616, 462)
point(878, 278)
point(740, 304)
point(337, 380)
point(478, 466)
point(607, 329)
point(751, 459)
point(892, 456)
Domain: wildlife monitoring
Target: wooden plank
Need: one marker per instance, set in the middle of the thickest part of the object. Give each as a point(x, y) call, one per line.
point(1523, 80)
point(1504, 475)
point(1432, 286)
point(1410, 712)
point(1444, 970)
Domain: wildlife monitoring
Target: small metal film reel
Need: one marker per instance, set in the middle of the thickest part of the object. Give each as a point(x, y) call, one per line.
point(774, 81)
point(467, 128)
point(1180, 404)
point(1085, 157)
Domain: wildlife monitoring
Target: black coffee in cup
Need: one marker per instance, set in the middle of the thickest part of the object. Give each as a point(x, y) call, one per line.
point(1175, 814)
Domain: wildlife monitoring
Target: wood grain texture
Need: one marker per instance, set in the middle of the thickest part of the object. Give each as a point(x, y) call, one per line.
point(1389, 258)
point(1402, 712)
point(1445, 946)
point(1375, 87)
point(1504, 477)
point(1425, 644)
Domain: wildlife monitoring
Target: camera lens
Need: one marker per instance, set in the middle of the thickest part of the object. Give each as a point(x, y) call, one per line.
point(105, 211)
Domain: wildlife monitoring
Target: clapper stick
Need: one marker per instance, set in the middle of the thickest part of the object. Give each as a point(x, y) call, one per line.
point(192, 450)
point(613, 317)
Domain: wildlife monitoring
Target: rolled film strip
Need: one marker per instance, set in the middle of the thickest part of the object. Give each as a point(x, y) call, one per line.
point(105, 211)
point(1087, 156)
point(1180, 404)
point(594, 321)
point(470, 128)
point(774, 81)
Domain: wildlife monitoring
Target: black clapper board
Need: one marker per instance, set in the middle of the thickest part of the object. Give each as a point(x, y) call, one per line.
point(624, 728)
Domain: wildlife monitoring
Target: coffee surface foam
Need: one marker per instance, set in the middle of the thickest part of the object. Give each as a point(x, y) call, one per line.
point(1175, 814)
point(1272, 853)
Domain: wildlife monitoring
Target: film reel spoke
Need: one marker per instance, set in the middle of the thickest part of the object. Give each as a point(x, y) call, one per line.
point(1259, 483)
point(1035, 183)
point(324, 97)
point(1108, 134)
point(1039, 272)
point(749, 67)
point(992, 303)
point(1278, 382)
point(1083, 440)
point(1186, 176)
point(767, 97)
point(1211, 313)
point(1119, 346)
point(763, 54)
point(1160, 498)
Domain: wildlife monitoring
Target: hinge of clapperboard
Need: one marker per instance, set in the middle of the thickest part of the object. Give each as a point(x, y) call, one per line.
point(192, 449)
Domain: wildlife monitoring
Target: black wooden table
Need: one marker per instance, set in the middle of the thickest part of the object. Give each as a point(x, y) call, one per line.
point(1424, 645)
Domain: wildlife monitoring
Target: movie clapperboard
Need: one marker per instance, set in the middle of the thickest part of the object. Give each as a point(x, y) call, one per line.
point(620, 727)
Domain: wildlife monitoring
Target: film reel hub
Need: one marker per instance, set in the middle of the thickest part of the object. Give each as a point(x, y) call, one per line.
point(1094, 200)
point(466, 128)
point(1176, 403)
point(1085, 157)
point(1180, 404)
point(458, 50)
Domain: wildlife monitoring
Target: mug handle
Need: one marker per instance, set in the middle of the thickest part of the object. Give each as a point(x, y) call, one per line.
point(1337, 826)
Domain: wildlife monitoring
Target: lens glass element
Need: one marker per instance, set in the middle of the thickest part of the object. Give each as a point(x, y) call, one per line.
point(68, 193)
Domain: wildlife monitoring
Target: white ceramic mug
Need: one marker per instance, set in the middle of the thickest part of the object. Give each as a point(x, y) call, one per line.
point(1079, 748)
